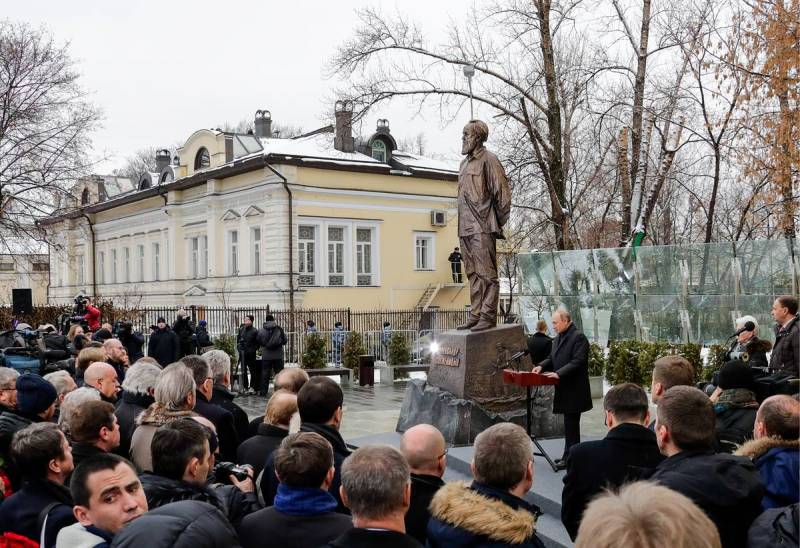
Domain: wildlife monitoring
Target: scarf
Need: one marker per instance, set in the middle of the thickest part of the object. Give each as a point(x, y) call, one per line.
point(735, 398)
point(303, 501)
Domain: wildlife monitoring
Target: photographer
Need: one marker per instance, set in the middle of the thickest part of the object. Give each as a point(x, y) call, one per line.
point(133, 341)
point(182, 460)
point(92, 314)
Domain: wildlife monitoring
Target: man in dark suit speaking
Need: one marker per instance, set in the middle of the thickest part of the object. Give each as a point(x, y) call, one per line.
point(569, 363)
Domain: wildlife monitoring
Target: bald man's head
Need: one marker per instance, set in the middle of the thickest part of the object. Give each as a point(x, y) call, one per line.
point(291, 379)
point(778, 416)
point(280, 408)
point(424, 448)
point(102, 377)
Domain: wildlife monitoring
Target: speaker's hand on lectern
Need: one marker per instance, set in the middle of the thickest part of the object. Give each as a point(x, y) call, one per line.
point(551, 374)
point(537, 369)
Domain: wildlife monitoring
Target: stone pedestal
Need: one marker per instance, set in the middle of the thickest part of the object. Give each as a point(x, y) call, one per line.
point(464, 393)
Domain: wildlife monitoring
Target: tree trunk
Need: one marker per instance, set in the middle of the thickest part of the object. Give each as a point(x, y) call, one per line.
point(638, 104)
point(784, 178)
point(712, 202)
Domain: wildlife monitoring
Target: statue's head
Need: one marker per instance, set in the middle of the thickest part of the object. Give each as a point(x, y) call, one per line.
point(474, 135)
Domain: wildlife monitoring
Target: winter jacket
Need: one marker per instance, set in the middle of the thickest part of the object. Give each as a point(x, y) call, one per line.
point(20, 512)
point(301, 516)
point(775, 527)
point(92, 317)
point(202, 339)
point(129, 406)
point(786, 352)
point(755, 349)
point(223, 422)
point(247, 340)
point(146, 425)
point(164, 346)
point(726, 487)
point(539, 347)
point(570, 359)
point(79, 536)
point(627, 453)
point(228, 499)
point(255, 451)
point(479, 516)
point(370, 538)
point(271, 338)
point(184, 524)
point(184, 329)
point(778, 464)
point(133, 344)
point(11, 423)
point(82, 451)
point(224, 398)
point(423, 488)
point(736, 414)
point(269, 483)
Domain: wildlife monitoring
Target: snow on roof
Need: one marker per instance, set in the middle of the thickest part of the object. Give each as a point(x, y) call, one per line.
point(414, 161)
point(117, 185)
point(314, 148)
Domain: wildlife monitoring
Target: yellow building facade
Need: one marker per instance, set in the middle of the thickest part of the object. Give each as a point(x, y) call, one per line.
point(324, 220)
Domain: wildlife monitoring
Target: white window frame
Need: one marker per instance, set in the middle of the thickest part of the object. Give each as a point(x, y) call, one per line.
point(302, 254)
point(79, 269)
point(126, 264)
point(233, 252)
point(430, 237)
point(321, 259)
point(140, 263)
point(359, 253)
point(345, 274)
point(194, 257)
point(255, 250)
point(204, 256)
point(113, 266)
point(155, 250)
point(101, 267)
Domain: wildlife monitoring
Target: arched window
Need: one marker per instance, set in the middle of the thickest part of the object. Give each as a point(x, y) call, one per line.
point(85, 196)
point(166, 177)
point(379, 150)
point(202, 160)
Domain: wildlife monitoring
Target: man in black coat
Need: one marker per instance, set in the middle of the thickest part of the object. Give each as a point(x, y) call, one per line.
point(304, 513)
point(320, 405)
point(628, 452)
point(271, 432)
point(44, 459)
point(221, 394)
point(247, 345)
point(727, 488)
point(540, 344)
point(424, 448)
point(221, 418)
point(163, 344)
point(272, 339)
point(785, 355)
point(569, 363)
point(183, 327)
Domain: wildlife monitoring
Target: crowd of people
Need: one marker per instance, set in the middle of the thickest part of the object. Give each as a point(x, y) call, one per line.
point(159, 452)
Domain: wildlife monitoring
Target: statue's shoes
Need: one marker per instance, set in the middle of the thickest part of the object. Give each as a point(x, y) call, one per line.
point(482, 325)
point(472, 322)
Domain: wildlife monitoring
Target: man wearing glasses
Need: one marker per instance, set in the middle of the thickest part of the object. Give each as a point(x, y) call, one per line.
point(8, 389)
point(424, 448)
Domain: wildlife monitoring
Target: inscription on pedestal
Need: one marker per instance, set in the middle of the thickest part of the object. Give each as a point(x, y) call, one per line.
point(449, 356)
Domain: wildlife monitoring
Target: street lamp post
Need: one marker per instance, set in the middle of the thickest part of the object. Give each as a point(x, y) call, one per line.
point(469, 72)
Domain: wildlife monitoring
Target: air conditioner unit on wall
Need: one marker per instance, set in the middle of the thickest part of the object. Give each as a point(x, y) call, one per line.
point(438, 217)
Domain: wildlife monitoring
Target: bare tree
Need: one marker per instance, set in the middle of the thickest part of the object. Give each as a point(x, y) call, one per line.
point(45, 126)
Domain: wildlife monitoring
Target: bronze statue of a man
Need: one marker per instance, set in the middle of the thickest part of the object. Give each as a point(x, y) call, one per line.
point(484, 203)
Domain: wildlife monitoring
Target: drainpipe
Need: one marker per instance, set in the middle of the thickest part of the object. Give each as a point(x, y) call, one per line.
point(92, 255)
point(291, 251)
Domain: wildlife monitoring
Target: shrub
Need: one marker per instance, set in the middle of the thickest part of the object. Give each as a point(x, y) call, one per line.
point(597, 361)
point(353, 348)
point(622, 362)
point(227, 343)
point(716, 358)
point(314, 352)
point(399, 350)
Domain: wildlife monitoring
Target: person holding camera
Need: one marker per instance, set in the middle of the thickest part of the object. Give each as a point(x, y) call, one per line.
point(183, 458)
point(133, 341)
point(92, 314)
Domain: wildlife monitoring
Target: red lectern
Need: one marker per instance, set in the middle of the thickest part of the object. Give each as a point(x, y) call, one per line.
point(529, 379)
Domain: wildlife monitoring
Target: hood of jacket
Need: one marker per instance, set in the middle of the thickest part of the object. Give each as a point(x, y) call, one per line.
point(270, 324)
point(158, 415)
point(221, 391)
point(161, 490)
point(464, 507)
point(755, 449)
point(139, 400)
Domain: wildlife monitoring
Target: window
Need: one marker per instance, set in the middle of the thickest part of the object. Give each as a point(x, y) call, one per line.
point(423, 252)
point(101, 267)
point(233, 260)
point(156, 261)
point(126, 264)
point(79, 266)
point(194, 257)
point(204, 264)
point(305, 254)
point(40, 267)
point(140, 263)
point(379, 150)
point(85, 196)
point(335, 255)
point(255, 256)
point(7, 267)
point(113, 266)
point(364, 256)
point(202, 160)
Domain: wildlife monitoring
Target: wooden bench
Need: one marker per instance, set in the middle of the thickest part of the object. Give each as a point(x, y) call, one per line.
point(344, 373)
point(388, 372)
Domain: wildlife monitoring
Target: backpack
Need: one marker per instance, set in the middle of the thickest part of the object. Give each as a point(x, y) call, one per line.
point(775, 527)
point(13, 540)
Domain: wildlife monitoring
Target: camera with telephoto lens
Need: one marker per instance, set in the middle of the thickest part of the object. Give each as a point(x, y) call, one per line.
point(122, 328)
point(224, 469)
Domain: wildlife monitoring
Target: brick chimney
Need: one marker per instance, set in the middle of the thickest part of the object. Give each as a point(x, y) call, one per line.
point(263, 123)
point(163, 158)
point(343, 137)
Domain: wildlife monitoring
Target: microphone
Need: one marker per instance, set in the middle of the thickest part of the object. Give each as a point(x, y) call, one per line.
point(748, 326)
point(518, 355)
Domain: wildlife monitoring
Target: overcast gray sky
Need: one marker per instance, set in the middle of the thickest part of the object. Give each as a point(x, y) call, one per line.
point(161, 70)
